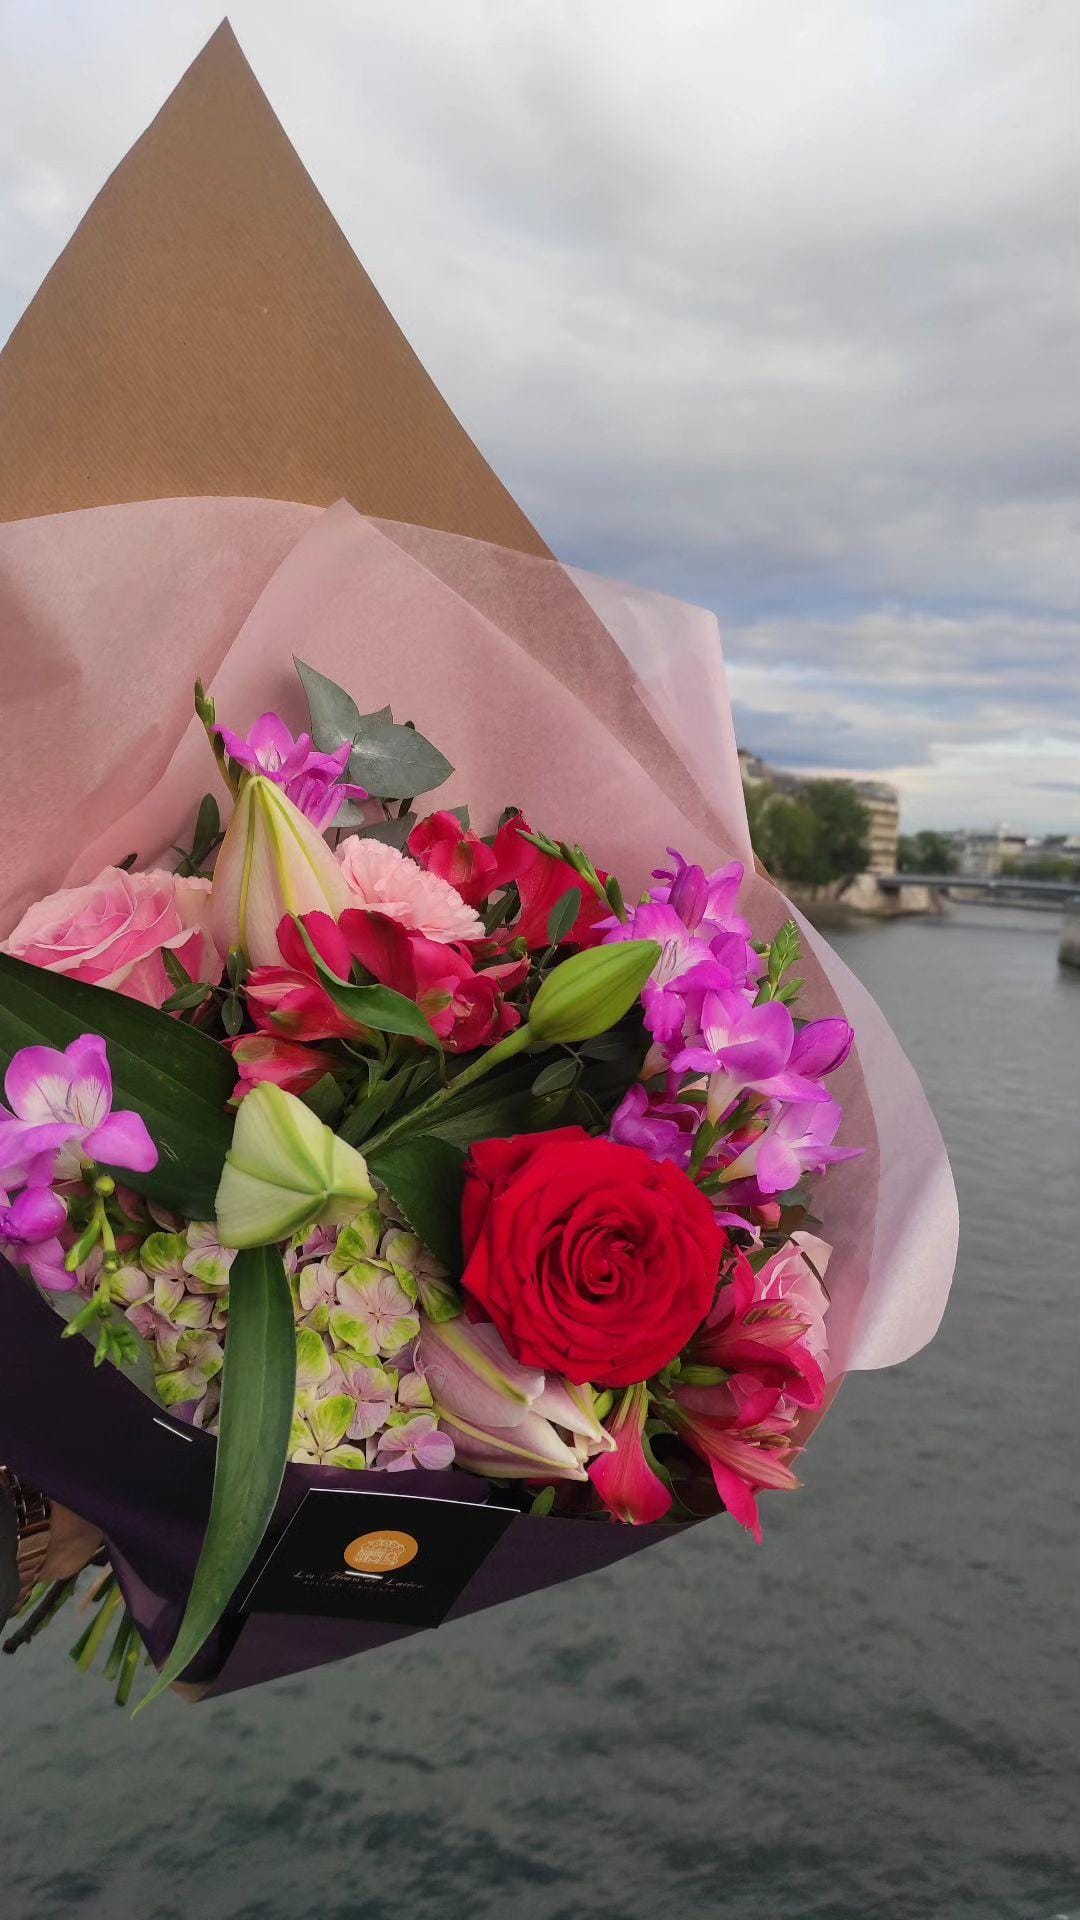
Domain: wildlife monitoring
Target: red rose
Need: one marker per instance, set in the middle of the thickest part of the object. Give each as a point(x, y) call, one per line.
point(592, 1259)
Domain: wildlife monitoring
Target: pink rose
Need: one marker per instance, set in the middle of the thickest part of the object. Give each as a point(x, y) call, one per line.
point(112, 932)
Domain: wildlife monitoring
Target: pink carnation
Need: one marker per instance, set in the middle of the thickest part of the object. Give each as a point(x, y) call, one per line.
point(386, 881)
point(112, 932)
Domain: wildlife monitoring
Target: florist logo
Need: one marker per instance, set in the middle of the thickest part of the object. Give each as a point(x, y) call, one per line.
point(378, 1553)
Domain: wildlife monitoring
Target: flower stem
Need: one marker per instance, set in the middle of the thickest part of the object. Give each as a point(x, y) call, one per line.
point(513, 1043)
point(38, 1620)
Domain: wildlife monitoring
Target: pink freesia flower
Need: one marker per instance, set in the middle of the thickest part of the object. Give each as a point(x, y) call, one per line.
point(61, 1113)
point(386, 881)
point(687, 966)
point(113, 931)
point(312, 781)
point(418, 1442)
point(624, 1479)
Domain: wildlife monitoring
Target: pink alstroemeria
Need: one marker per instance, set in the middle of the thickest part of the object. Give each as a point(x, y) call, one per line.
point(744, 1436)
point(624, 1478)
point(746, 1047)
point(751, 1333)
point(266, 1056)
point(61, 1114)
point(797, 1140)
point(312, 781)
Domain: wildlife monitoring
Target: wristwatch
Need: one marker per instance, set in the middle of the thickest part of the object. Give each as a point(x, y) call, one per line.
point(24, 1539)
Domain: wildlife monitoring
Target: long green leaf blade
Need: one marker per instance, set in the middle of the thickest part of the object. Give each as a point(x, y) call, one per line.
point(177, 1078)
point(257, 1394)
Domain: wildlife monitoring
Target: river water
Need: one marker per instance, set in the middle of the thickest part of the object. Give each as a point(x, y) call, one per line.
point(867, 1718)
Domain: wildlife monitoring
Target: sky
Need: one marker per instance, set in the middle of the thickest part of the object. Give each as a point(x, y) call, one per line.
point(771, 306)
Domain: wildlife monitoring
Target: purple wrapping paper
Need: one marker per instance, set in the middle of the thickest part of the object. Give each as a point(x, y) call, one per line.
point(97, 1444)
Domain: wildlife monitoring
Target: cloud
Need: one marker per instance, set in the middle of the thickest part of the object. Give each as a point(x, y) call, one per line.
point(769, 307)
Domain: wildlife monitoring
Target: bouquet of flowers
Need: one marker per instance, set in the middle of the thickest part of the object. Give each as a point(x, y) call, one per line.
point(442, 1118)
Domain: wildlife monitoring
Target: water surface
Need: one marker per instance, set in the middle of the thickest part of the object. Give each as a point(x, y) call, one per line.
point(867, 1718)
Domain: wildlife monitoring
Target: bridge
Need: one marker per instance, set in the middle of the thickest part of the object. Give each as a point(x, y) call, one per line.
point(1008, 886)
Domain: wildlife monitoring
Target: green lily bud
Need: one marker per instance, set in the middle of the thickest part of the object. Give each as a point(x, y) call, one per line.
point(285, 1170)
point(591, 991)
point(272, 863)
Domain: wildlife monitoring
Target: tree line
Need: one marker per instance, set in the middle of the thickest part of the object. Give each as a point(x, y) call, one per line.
point(813, 837)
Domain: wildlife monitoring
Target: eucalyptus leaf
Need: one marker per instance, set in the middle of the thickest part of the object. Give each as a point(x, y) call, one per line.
point(389, 761)
point(335, 716)
point(177, 1078)
point(258, 1388)
point(392, 833)
point(425, 1177)
point(393, 762)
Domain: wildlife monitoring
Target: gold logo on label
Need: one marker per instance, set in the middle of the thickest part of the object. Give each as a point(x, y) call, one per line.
point(381, 1552)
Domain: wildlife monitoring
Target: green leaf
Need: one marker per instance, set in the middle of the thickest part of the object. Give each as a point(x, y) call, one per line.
point(391, 762)
point(378, 1007)
point(177, 1078)
point(258, 1387)
point(563, 916)
point(392, 833)
point(425, 1177)
point(553, 1078)
point(335, 716)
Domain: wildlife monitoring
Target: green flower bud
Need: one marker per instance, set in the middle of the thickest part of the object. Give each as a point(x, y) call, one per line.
point(591, 991)
point(285, 1170)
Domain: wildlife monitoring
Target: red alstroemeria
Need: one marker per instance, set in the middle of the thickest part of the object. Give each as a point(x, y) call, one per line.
point(764, 1337)
point(624, 1479)
point(743, 1435)
point(542, 881)
point(466, 1009)
point(291, 1000)
point(443, 846)
point(264, 1056)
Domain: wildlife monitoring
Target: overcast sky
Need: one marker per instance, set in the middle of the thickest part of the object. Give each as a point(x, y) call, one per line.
point(770, 304)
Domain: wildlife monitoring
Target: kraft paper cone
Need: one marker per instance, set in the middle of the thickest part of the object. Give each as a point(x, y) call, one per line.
point(208, 330)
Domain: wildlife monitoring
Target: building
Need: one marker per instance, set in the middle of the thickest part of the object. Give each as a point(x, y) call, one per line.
point(882, 803)
point(982, 855)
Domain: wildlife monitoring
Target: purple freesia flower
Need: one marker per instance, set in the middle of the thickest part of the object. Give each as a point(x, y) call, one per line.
point(704, 902)
point(312, 781)
point(61, 1113)
point(33, 1217)
point(797, 1140)
point(743, 1046)
point(664, 1128)
point(686, 966)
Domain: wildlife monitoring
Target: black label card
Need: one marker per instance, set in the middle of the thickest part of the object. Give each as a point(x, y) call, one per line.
point(377, 1556)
